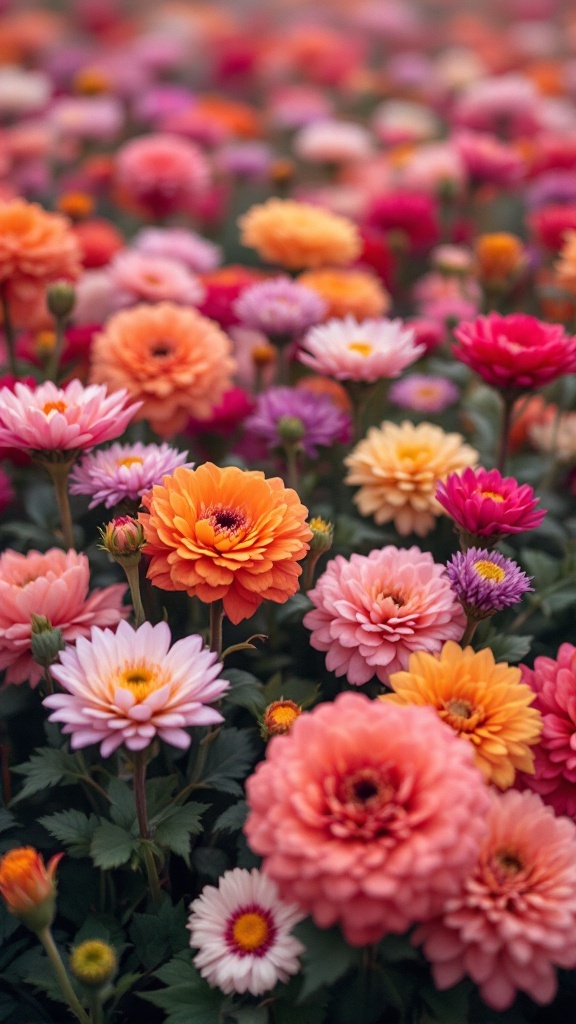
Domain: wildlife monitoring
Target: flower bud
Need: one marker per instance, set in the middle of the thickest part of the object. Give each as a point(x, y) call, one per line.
point(263, 355)
point(45, 641)
point(500, 258)
point(29, 887)
point(93, 963)
point(60, 298)
point(279, 718)
point(291, 429)
point(322, 535)
point(123, 538)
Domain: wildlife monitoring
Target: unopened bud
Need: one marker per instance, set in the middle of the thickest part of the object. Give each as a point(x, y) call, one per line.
point(263, 355)
point(60, 298)
point(29, 887)
point(291, 429)
point(93, 963)
point(123, 538)
point(279, 717)
point(45, 641)
point(322, 535)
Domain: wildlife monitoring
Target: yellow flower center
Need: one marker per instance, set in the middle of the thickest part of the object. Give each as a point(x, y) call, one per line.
point(130, 460)
point(362, 347)
point(414, 451)
point(489, 571)
point(58, 406)
point(141, 680)
point(250, 931)
point(491, 494)
point(320, 526)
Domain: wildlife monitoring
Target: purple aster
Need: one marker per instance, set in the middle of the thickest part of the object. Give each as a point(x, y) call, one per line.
point(280, 307)
point(296, 413)
point(423, 393)
point(486, 582)
point(124, 471)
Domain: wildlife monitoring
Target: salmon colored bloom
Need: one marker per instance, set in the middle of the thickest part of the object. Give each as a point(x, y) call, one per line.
point(355, 292)
point(483, 503)
point(299, 235)
point(484, 701)
point(29, 886)
point(175, 361)
point(514, 918)
point(367, 816)
point(36, 248)
point(226, 534)
point(516, 352)
point(398, 468)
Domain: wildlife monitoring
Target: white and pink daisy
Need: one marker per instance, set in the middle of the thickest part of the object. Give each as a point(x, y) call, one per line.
point(73, 418)
point(131, 686)
point(369, 350)
point(124, 471)
point(242, 932)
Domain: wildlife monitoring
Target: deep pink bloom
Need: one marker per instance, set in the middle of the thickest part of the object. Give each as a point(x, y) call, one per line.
point(161, 172)
point(489, 161)
point(6, 492)
point(554, 682)
point(372, 611)
point(414, 217)
point(484, 503)
point(55, 585)
point(516, 352)
point(514, 919)
point(367, 814)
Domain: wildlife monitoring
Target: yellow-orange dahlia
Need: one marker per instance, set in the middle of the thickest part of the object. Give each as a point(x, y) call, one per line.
point(171, 358)
point(357, 293)
point(483, 700)
point(299, 235)
point(227, 534)
point(398, 468)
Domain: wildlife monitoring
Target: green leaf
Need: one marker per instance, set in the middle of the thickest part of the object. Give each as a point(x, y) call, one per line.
point(7, 820)
point(508, 648)
point(245, 691)
point(122, 805)
point(112, 846)
point(286, 1013)
point(559, 601)
point(302, 691)
point(232, 819)
point(173, 827)
point(230, 757)
point(188, 998)
point(47, 767)
point(327, 957)
point(251, 1015)
point(542, 567)
point(450, 1006)
point(158, 936)
point(158, 793)
point(293, 610)
point(210, 861)
point(73, 829)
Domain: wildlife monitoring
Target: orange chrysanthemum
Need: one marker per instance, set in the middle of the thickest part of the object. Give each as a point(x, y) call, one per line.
point(500, 257)
point(175, 361)
point(226, 534)
point(348, 292)
point(299, 235)
point(484, 701)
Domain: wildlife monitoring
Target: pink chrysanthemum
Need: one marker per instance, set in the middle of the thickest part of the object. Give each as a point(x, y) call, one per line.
point(361, 822)
point(554, 682)
point(242, 932)
point(124, 471)
point(55, 585)
point(365, 351)
point(131, 686)
point(161, 172)
point(483, 503)
point(73, 418)
point(372, 611)
point(514, 919)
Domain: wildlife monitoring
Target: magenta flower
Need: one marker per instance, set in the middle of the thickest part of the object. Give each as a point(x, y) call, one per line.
point(483, 503)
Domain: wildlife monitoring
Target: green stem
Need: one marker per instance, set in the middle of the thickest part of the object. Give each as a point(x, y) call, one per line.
point(45, 937)
point(54, 361)
point(9, 332)
point(59, 473)
point(308, 571)
point(506, 422)
point(291, 450)
point(139, 783)
point(216, 616)
point(95, 1004)
point(133, 577)
point(471, 627)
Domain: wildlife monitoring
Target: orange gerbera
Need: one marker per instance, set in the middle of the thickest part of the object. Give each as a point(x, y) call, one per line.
point(299, 235)
point(348, 292)
point(484, 701)
point(175, 361)
point(227, 534)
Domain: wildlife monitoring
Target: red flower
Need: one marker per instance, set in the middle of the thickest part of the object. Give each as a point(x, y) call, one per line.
point(404, 214)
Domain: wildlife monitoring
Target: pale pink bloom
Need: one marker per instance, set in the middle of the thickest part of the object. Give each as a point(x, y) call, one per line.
point(22, 92)
point(367, 815)
point(441, 297)
point(369, 350)
point(124, 471)
point(514, 919)
point(294, 106)
point(434, 168)
point(242, 932)
point(162, 172)
point(131, 686)
point(87, 118)
point(397, 121)
point(96, 298)
point(138, 277)
point(372, 611)
point(336, 142)
point(54, 584)
point(489, 161)
point(198, 254)
point(72, 418)
point(509, 103)
point(458, 66)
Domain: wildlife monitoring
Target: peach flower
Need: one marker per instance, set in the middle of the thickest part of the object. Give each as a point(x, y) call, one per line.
point(225, 534)
point(357, 293)
point(175, 361)
point(299, 235)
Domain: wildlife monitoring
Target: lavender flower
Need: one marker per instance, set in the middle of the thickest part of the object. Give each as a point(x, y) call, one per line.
point(279, 409)
point(279, 307)
point(486, 582)
point(423, 392)
point(124, 471)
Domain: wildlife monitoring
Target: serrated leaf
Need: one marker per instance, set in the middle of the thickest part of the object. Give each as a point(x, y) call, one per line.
point(47, 767)
point(7, 820)
point(327, 956)
point(112, 846)
point(302, 691)
point(173, 827)
point(158, 793)
point(230, 758)
point(245, 691)
point(74, 829)
point(158, 936)
point(188, 997)
point(210, 861)
point(508, 648)
point(122, 805)
point(233, 818)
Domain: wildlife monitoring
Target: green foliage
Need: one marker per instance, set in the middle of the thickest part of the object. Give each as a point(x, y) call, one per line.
point(47, 767)
point(230, 758)
point(188, 998)
point(504, 647)
point(160, 935)
point(233, 818)
point(112, 846)
point(74, 829)
point(172, 827)
point(327, 958)
point(245, 691)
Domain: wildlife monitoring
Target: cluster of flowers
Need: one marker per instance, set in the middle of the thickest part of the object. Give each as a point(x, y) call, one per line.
point(216, 320)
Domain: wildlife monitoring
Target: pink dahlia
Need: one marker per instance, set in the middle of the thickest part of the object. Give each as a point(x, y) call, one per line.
point(483, 503)
point(372, 611)
point(554, 682)
point(516, 352)
point(514, 919)
point(131, 686)
point(162, 173)
point(363, 824)
point(72, 418)
point(55, 585)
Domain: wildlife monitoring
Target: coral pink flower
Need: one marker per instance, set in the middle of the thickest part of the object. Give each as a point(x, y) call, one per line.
point(72, 418)
point(372, 611)
point(514, 919)
point(484, 503)
point(516, 352)
point(363, 823)
point(55, 585)
point(131, 686)
point(554, 682)
point(161, 173)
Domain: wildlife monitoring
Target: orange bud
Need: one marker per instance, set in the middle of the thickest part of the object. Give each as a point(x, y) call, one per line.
point(279, 717)
point(29, 887)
